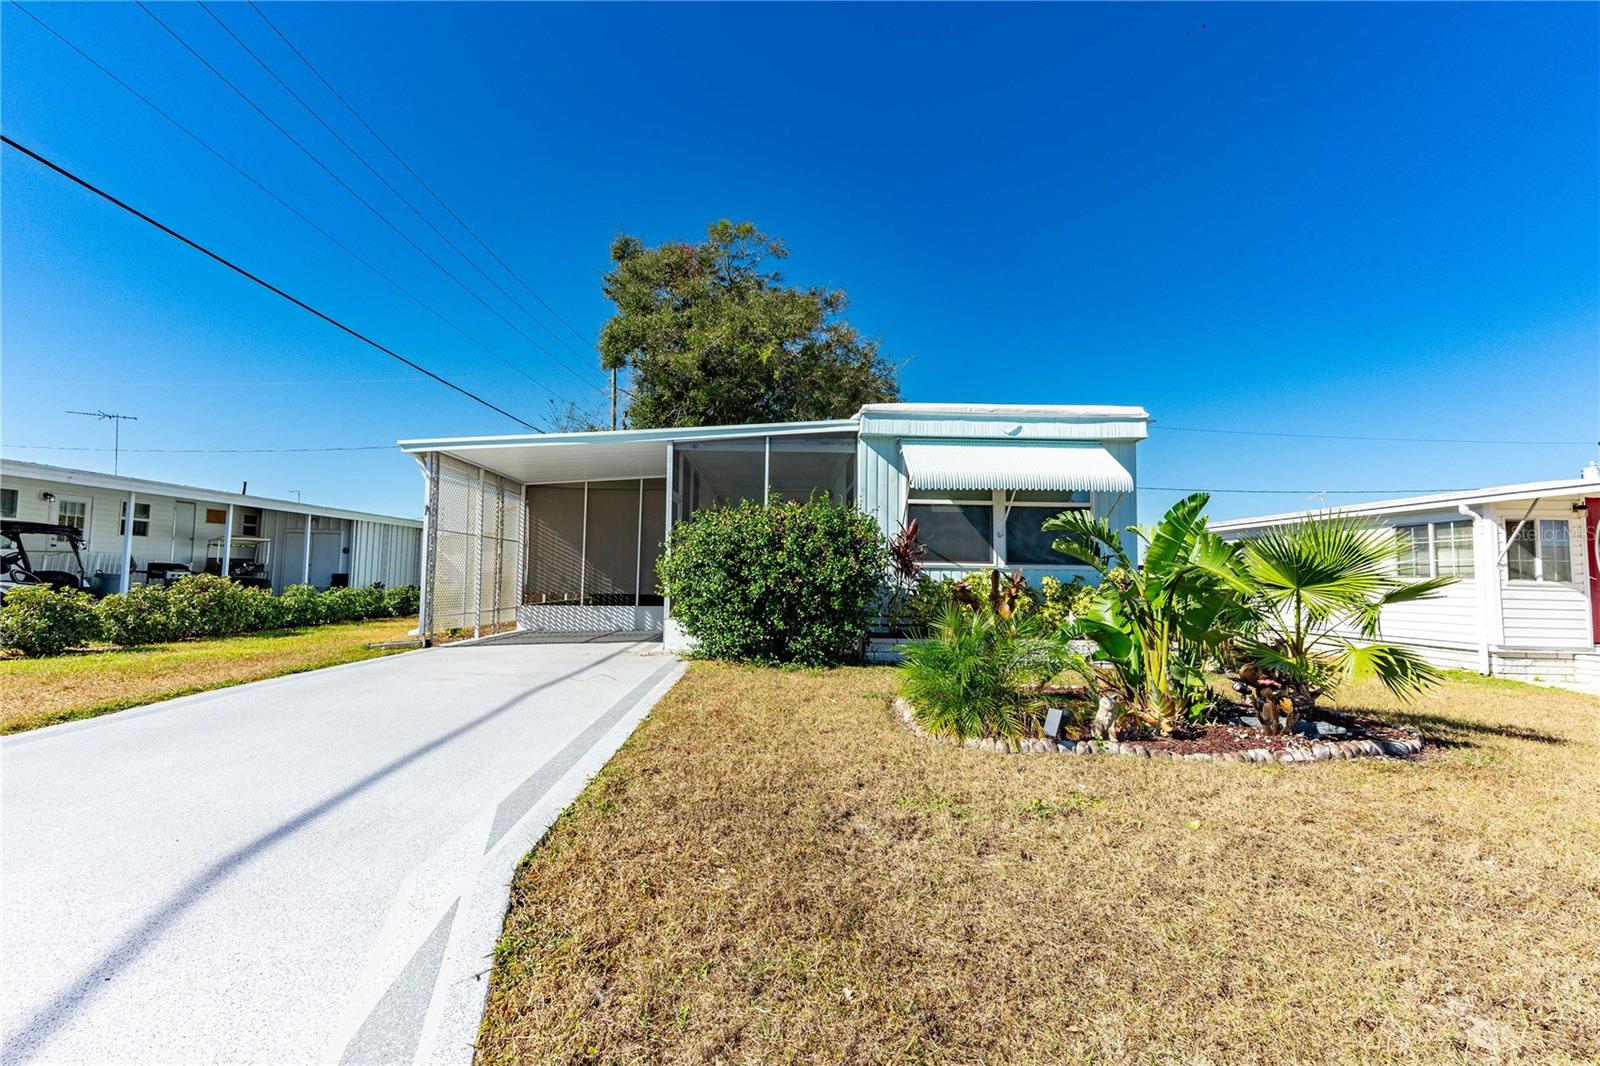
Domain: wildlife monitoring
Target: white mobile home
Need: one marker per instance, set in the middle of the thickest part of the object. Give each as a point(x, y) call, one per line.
point(561, 531)
point(203, 529)
point(1526, 600)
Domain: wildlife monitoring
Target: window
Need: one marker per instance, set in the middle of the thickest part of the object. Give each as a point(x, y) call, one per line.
point(141, 520)
point(1452, 549)
point(1540, 551)
point(1438, 549)
point(8, 503)
point(1026, 542)
point(955, 531)
point(250, 524)
point(1413, 548)
point(216, 516)
point(74, 513)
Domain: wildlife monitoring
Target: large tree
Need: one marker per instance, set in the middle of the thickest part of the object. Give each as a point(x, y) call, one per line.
point(713, 336)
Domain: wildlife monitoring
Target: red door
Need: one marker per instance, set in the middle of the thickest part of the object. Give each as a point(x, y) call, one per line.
point(1591, 545)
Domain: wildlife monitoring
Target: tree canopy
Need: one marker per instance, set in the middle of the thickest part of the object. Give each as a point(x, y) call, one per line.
point(713, 336)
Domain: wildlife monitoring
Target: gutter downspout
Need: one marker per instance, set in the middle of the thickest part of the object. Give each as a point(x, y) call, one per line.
point(1486, 571)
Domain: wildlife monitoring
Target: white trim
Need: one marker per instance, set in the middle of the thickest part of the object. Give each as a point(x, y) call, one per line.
point(1580, 486)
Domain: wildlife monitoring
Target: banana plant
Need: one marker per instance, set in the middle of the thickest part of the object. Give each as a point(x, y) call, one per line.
point(1154, 626)
point(1316, 591)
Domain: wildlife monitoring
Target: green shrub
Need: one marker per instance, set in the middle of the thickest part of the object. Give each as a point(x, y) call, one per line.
point(776, 583)
point(205, 605)
point(353, 605)
point(978, 675)
point(41, 620)
point(302, 606)
point(1062, 601)
point(402, 601)
point(142, 615)
point(264, 610)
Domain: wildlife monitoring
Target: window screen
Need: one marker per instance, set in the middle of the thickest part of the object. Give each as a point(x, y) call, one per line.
point(1026, 542)
point(141, 520)
point(8, 503)
point(955, 532)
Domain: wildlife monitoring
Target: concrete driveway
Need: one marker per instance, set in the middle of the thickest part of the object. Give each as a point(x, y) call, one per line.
point(308, 869)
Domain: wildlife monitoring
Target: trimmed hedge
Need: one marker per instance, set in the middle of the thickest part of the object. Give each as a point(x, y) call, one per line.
point(38, 620)
point(776, 583)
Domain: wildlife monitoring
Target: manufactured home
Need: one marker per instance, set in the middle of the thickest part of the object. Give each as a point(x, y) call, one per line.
point(1526, 600)
point(186, 529)
point(560, 532)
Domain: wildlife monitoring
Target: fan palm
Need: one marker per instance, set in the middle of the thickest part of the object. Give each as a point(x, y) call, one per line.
point(1318, 589)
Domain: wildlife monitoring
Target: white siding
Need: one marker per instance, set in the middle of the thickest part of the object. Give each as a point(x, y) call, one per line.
point(388, 553)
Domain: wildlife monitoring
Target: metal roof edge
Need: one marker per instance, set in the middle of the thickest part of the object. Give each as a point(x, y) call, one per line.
point(628, 436)
point(100, 480)
point(1496, 494)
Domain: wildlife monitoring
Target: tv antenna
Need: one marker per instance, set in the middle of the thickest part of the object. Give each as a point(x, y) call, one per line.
point(116, 431)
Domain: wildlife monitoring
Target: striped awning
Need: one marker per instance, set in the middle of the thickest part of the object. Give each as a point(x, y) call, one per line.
point(1024, 465)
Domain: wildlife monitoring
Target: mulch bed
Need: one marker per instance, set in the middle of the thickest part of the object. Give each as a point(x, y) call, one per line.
point(1220, 737)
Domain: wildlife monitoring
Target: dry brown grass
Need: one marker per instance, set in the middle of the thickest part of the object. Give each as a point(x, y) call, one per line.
point(40, 692)
point(772, 871)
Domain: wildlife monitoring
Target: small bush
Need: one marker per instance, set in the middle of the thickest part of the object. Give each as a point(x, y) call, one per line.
point(41, 620)
point(205, 605)
point(776, 583)
point(140, 616)
point(402, 601)
point(302, 606)
point(1061, 601)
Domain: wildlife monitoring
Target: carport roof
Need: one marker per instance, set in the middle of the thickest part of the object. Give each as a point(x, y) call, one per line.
point(599, 455)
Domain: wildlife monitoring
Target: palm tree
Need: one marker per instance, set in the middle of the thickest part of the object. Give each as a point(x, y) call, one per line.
point(1318, 588)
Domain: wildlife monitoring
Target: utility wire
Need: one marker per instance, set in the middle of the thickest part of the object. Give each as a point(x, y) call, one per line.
point(1352, 436)
point(400, 196)
point(346, 186)
point(236, 268)
point(415, 176)
point(281, 201)
point(198, 451)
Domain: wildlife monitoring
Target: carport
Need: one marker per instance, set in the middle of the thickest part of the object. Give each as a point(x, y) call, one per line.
point(560, 532)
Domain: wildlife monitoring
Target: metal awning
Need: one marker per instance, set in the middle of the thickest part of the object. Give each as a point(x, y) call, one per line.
point(1022, 465)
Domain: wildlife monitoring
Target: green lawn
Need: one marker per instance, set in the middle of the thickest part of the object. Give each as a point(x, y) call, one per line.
point(773, 870)
point(40, 692)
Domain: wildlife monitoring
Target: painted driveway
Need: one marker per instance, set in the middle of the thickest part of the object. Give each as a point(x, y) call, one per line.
point(307, 869)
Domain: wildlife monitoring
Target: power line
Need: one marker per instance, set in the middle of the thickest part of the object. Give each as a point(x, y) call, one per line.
point(347, 188)
point(281, 201)
point(236, 268)
point(415, 176)
point(1351, 436)
point(198, 451)
point(398, 194)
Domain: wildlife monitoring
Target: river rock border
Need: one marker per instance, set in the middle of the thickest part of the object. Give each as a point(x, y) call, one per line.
point(1317, 751)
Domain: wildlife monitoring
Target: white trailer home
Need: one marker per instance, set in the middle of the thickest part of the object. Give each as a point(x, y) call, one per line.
point(204, 529)
point(561, 531)
point(1526, 601)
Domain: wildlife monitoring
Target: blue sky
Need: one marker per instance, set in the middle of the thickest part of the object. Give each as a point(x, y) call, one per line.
point(1350, 220)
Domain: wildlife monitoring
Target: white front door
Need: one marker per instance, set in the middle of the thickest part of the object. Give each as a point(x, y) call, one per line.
point(182, 533)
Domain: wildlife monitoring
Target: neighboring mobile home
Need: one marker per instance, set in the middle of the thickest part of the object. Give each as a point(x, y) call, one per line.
point(561, 531)
point(1526, 602)
point(204, 529)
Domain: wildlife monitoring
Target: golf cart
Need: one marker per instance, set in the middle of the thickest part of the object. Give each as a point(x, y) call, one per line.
point(25, 554)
